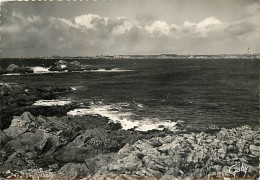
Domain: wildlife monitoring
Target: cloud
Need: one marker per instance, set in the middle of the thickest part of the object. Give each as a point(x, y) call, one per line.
point(203, 27)
point(158, 28)
point(240, 29)
point(92, 34)
point(253, 9)
point(90, 21)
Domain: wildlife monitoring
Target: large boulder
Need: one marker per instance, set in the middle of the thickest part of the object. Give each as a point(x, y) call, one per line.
point(19, 125)
point(86, 145)
point(13, 68)
point(39, 142)
point(17, 69)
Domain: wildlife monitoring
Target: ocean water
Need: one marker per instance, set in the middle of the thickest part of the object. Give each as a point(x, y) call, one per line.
point(153, 94)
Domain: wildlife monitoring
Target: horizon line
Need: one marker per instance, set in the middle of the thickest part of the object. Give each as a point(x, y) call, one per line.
point(102, 55)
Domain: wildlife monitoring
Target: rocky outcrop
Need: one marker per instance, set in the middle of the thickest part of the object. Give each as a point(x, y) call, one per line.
point(15, 99)
point(20, 125)
point(67, 66)
point(17, 69)
point(89, 146)
point(190, 155)
point(13, 68)
point(52, 142)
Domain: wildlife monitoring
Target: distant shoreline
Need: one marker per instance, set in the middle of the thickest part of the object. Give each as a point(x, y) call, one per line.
point(160, 56)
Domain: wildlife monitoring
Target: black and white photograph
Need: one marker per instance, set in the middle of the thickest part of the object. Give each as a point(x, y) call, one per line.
point(130, 89)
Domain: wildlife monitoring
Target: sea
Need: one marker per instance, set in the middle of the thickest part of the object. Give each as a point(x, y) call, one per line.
point(147, 94)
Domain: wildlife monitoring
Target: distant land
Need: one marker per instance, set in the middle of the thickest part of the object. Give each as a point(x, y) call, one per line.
point(160, 56)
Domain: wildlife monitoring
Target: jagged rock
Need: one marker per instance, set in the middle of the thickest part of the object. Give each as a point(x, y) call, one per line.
point(91, 143)
point(20, 124)
point(39, 142)
point(89, 146)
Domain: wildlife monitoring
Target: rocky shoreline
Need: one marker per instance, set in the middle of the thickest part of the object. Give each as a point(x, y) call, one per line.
point(92, 147)
point(16, 99)
point(58, 66)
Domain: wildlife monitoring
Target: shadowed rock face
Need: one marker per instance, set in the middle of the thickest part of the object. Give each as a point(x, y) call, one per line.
point(15, 99)
point(3, 71)
point(90, 146)
point(46, 141)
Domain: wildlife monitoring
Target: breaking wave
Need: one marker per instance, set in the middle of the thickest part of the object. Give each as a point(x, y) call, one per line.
point(126, 119)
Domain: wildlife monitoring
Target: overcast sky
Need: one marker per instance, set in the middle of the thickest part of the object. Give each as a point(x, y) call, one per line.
point(32, 29)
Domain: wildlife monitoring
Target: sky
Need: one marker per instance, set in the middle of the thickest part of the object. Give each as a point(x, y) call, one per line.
point(117, 27)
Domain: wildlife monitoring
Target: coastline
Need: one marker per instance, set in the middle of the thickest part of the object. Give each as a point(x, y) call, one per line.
point(87, 147)
point(57, 145)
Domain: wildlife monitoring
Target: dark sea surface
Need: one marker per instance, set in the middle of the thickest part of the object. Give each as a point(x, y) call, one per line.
point(201, 94)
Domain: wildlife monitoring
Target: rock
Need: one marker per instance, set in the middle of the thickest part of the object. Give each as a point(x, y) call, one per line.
point(39, 142)
point(74, 66)
point(255, 150)
point(73, 170)
point(16, 99)
point(3, 139)
point(155, 173)
point(155, 142)
point(13, 68)
point(56, 68)
point(114, 126)
point(251, 170)
point(90, 146)
point(91, 143)
point(96, 163)
point(69, 66)
point(19, 125)
point(25, 70)
point(222, 153)
point(240, 144)
point(249, 137)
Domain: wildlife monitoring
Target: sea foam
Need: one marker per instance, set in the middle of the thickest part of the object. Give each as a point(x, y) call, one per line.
point(55, 102)
point(40, 70)
point(126, 119)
